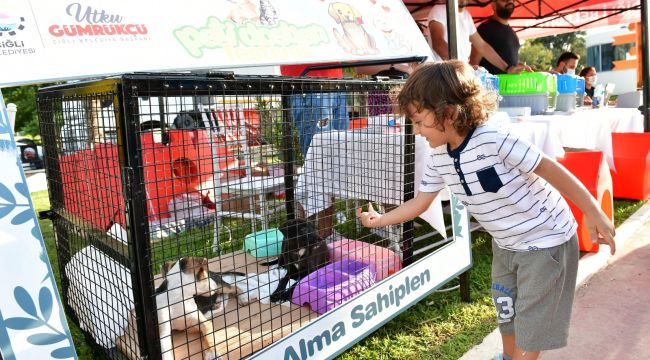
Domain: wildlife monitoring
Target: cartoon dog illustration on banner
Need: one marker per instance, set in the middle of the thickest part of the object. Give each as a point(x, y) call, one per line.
point(353, 38)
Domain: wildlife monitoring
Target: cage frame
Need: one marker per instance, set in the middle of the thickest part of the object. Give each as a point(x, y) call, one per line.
point(124, 90)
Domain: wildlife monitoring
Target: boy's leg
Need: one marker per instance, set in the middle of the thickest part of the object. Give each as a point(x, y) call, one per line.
point(520, 354)
point(508, 341)
point(546, 281)
point(504, 293)
point(512, 352)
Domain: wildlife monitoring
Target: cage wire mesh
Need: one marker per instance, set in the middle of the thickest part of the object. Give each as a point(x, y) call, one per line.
point(172, 195)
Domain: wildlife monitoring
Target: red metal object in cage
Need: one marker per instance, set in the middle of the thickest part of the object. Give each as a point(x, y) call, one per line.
point(93, 185)
point(175, 168)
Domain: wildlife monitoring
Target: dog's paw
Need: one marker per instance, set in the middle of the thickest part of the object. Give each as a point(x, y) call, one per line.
point(275, 297)
point(211, 355)
point(279, 297)
point(245, 299)
point(211, 314)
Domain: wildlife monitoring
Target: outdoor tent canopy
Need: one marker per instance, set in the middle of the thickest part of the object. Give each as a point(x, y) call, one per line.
point(536, 18)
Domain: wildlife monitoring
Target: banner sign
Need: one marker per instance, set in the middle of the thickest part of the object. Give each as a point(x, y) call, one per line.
point(335, 331)
point(32, 321)
point(46, 40)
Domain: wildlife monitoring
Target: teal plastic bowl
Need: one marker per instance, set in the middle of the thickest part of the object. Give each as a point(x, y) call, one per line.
point(264, 243)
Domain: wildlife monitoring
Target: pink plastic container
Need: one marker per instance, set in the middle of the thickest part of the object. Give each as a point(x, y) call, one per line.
point(331, 285)
point(385, 261)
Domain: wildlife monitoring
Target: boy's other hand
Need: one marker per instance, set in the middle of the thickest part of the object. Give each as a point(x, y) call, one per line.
point(602, 231)
point(370, 218)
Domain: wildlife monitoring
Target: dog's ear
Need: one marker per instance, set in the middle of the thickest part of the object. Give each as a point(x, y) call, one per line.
point(334, 13)
point(356, 15)
point(203, 272)
point(199, 266)
point(164, 268)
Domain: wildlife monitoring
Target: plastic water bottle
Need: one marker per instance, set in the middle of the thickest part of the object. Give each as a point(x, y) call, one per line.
point(599, 96)
point(482, 74)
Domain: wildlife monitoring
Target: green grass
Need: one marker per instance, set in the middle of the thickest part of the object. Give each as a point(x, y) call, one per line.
point(41, 202)
point(439, 327)
point(624, 208)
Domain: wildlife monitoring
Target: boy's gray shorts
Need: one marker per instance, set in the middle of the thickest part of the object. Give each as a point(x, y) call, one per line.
point(533, 293)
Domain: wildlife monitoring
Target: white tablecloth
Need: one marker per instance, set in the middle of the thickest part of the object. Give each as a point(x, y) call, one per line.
point(590, 128)
point(620, 119)
point(362, 164)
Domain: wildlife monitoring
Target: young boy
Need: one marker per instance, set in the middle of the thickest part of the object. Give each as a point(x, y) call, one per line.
point(513, 191)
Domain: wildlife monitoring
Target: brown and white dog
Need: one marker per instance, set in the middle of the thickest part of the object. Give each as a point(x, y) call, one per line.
point(354, 39)
point(187, 297)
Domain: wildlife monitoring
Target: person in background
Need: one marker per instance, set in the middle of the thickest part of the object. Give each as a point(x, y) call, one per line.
point(589, 73)
point(313, 113)
point(316, 112)
point(566, 64)
point(467, 37)
point(497, 33)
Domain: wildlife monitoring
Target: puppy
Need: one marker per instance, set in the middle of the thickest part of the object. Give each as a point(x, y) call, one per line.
point(354, 39)
point(303, 251)
point(185, 281)
point(219, 299)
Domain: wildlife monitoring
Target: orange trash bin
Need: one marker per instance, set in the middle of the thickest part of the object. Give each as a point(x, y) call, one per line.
point(591, 169)
point(631, 178)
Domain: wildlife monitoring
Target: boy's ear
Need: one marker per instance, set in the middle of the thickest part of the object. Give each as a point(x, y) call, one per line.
point(451, 113)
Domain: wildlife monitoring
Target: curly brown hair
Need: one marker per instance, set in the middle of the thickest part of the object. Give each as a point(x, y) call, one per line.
point(448, 88)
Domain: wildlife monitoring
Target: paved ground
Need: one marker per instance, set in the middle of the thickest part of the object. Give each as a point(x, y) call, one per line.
point(36, 180)
point(611, 313)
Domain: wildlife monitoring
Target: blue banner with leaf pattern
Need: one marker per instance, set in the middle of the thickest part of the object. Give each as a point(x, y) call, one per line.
point(32, 321)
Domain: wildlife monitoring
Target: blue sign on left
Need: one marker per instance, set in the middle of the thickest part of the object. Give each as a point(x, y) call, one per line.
point(32, 321)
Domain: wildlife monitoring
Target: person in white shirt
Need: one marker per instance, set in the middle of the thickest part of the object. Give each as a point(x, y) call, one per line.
point(514, 191)
point(466, 37)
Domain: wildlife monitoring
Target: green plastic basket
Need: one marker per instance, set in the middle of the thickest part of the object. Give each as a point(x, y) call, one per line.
point(264, 243)
point(527, 83)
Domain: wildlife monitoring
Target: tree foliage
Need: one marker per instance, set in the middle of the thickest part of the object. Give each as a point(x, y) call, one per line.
point(556, 44)
point(26, 116)
point(536, 56)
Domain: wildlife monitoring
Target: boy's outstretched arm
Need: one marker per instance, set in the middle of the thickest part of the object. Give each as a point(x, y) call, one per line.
point(599, 226)
point(407, 211)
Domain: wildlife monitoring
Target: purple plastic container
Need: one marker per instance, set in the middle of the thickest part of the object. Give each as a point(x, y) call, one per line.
point(331, 285)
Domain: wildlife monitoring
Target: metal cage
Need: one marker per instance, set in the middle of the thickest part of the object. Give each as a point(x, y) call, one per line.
point(147, 169)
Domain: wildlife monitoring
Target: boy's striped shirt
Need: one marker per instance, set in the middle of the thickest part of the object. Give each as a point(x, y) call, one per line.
point(491, 172)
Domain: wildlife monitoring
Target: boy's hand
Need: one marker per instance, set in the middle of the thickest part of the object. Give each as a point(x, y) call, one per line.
point(371, 218)
point(601, 230)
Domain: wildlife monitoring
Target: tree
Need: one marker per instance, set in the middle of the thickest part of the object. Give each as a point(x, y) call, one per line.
point(535, 55)
point(573, 41)
point(25, 99)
